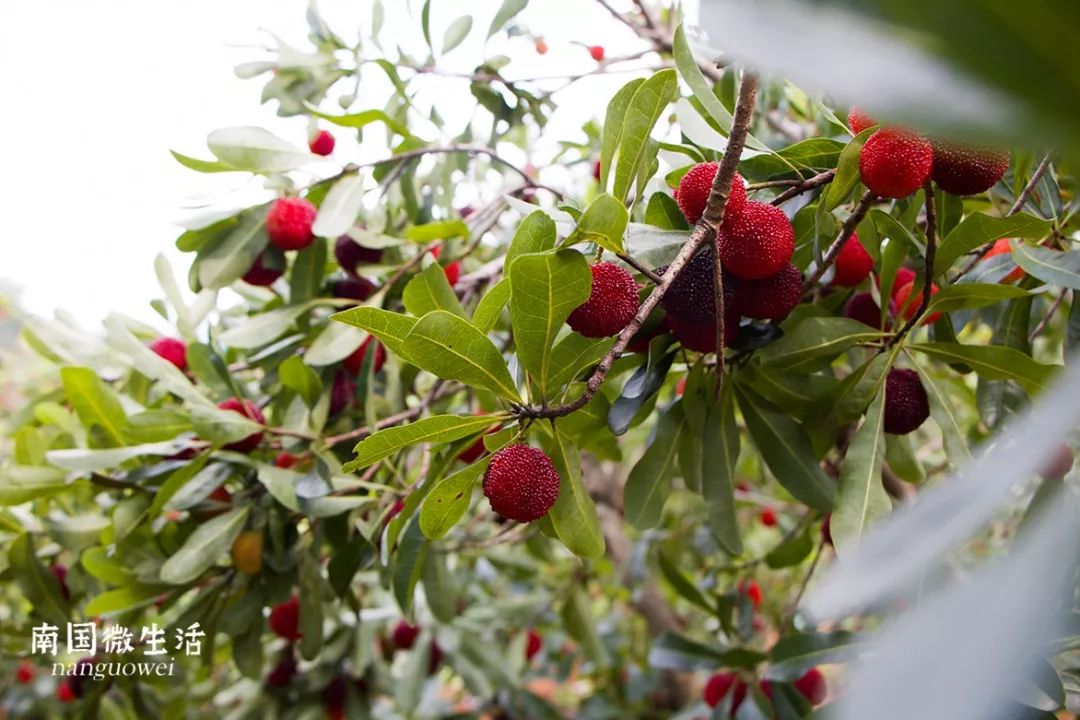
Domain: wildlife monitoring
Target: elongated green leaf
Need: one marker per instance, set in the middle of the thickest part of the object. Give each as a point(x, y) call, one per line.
point(943, 411)
point(847, 171)
point(663, 212)
point(452, 348)
point(339, 208)
point(430, 290)
point(535, 234)
point(604, 223)
point(645, 108)
point(574, 514)
point(22, 483)
point(94, 402)
point(649, 482)
point(490, 307)
point(439, 428)
point(227, 258)
point(571, 355)
point(614, 121)
point(506, 13)
point(85, 460)
point(797, 653)
point(447, 502)
point(966, 296)
point(337, 341)
point(123, 599)
point(813, 154)
point(978, 229)
point(720, 441)
point(993, 362)
point(861, 498)
point(786, 449)
point(262, 329)
point(815, 342)
point(1052, 266)
point(580, 622)
point(301, 379)
point(456, 33)
point(203, 547)
point(361, 119)
point(306, 275)
point(222, 426)
point(97, 562)
point(409, 565)
point(390, 327)
point(150, 364)
point(255, 150)
point(203, 166)
point(439, 230)
point(545, 289)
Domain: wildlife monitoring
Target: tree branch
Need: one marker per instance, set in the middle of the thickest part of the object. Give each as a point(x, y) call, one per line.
point(845, 232)
point(804, 186)
point(928, 266)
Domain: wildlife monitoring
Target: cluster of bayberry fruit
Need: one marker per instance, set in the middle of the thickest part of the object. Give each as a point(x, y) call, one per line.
point(810, 685)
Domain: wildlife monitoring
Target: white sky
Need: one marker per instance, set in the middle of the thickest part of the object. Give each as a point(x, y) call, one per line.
point(97, 92)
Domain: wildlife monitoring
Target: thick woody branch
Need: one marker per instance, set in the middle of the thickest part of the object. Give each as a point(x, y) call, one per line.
point(846, 232)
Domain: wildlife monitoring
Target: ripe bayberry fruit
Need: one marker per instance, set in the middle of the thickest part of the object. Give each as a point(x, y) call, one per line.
point(534, 643)
point(895, 162)
point(288, 223)
point(1003, 247)
point(771, 298)
point(342, 393)
point(813, 687)
point(907, 305)
point(863, 307)
point(64, 693)
point(541, 46)
point(285, 460)
point(355, 362)
point(966, 170)
point(404, 635)
point(283, 673)
point(24, 672)
point(265, 270)
point(353, 288)
point(521, 483)
point(247, 552)
point(691, 298)
point(251, 411)
point(435, 657)
point(701, 337)
point(718, 686)
point(453, 272)
point(768, 517)
point(596, 170)
point(597, 52)
point(321, 143)
point(694, 188)
point(853, 264)
point(903, 276)
point(171, 349)
point(757, 242)
point(640, 342)
point(285, 619)
point(753, 591)
point(612, 303)
point(906, 403)
point(858, 120)
point(349, 254)
point(477, 450)
point(333, 696)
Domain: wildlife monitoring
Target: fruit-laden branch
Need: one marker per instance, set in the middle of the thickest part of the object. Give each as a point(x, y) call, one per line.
point(808, 184)
point(703, 232)
point(846, 232)
point(928, 267)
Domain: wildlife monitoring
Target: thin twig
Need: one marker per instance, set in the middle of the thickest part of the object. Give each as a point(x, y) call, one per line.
point(801, 187)
point(1049, 315)
point(653, 277)
point(845, 232)
point(928, 267)
point(806, 579)
point(439, 391)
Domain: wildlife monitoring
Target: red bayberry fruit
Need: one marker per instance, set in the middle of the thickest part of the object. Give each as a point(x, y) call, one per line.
point(680, 387)
point(906, 403)
point(541, 46)
point(171, 349)
point(353, 288)
point(453, 272)
point(753, 592)
point(812, 686)
point(404, 635)
point(285, 460)
point(477, 450)
point(349, 254)
point(264, 271)
point(288, 223)
point(719, 685)
point(826, 529)
point(342, 393)
point(768, 517)
point(435, 657)
point(60, 573)
point(251, 411)
point(694, 188)
point(895, 162)
point(355, 362)
point(611, 306)
point(1003, 247)
point(24, 672)
point(521, 483)
point(701, 337)
point(534, 643)
point(771, 298)
point(853, 264)
point(283, 673)
point(907, 305)
point(64, 693)
point(863, 307)
point(757, 242)
point(965, 170)
point(597, 52)
point(596, 170)
point(858, 120)
point(903, 276)
point(321, 143)
point(285, 619)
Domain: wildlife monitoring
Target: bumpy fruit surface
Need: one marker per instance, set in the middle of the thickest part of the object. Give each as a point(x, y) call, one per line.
point(249, 410)
point(692, 194)
point(597, 52)
point(701, 337)
point(349, 254)
point(895, 162)
point(853, 264)
point(611, 306)
point(521, 483)
point(355, 362)
point(903, 276)
point(771, 298)
point(285, 619)
point(264, 271)
point(404, 635)
point(966, 170)
point(247, 552)
point(907, 305)
point(906, 403)
point(534, 643)
point(353, 288)
point(813, 687)
point(691, 298)
point(288, 223)
point(863, 307)
point(321, 143)
point(757, 242)
point(171, 349)
point(1003, 247)
point(652, 329)
point(718, 687)
point(858, 120)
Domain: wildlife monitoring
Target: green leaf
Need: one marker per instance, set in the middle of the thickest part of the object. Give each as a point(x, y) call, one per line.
point(993, 362)
point(847, 171)
point(361, 119)
point(535, 234)
point(791, 552)
point(545, 289)
point(308, 270)
point(574, 513)
point(409, 565)
point(255, 150)
point(430, 290)
point(813, 154)
point(221, 426)
point(203, 166)
point(649, 482)
point(571, 355)
point(861, 498)
point(95, 402)
point(645, 108)
point(203, 547)
point(301, 379)
point(228, 257)
point(456, 33)
point(786, 449)
point(682, 584)
point(663, 212)
point(978, 229)
point(86, 460)
point(489, 309)
point(440, 230)
point(580, 623)
point(943, 411)
point(391, 328)
point(436, 429)
point(796, 653)
point(815, 342)
point(1052, 266)
point(720, 441)
point(506, 12)
point(262, 329)
point(447, 502)
point(311, 606)
point(451, 348)
point(603, 223)
point(613, 127)
point(966, 296)
point(123, 599)
point(97, 562)
point(339, 208)
point(38, 585)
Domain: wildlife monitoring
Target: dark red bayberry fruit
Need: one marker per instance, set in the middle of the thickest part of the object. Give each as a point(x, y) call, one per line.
point(757, 242)
point(768, 517)
point(24, 672)
point(404, 635)
point(771, 298)
point(612, 303)
point(906, 403)
point(285, 619)
point(342, 393)
point(285, 460)
point(171, 349)
point(349, 254)
point(640, 342)
point(694, 188)
point(813, 687)
point(353, 288)
point(64, 693)
point(863, 307)
point(965, 170)
point(355, 362)
point(265, 270)
point(534, 643)
point(826, 529)
point(895, 162)
point(521, 483)
point(718, 687)
point(691, 298)
point(288, 223)
point(283, 673)
point(60, 573)
point(435, 657)
point(251, 411)
point(853, 264)
point(321, 143)
point(701, 337)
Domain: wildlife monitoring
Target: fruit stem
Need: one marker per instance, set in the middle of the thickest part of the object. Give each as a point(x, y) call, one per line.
point(928, 266)
point(845, 232)
point(809, 184)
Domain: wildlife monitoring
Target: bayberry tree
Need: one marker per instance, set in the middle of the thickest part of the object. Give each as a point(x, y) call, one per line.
point(574, 446)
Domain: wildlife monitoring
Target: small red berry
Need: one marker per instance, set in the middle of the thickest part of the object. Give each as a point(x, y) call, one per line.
point(285, 460)
point(680, 387)
point(541, 46)
point(757, 242)
point(251, 411)
point(770, 298)
point(24, 672)
point(906, 403)
point(534, 643)
point(453, 272)
point(349, 254)
point(521, 483)
point(640, 342)
point(812, 686)
point(1003, 247)
point(895, 162)
point(404, 635)
point(694, 188)
point(768, 517)
point(321, 143)
point(435, 657)
point(597, 52)
point(753, 592)
point(903, 276)
point(355, 362)
point(171, 349)
point(289, 221)
point(285, 619)
point(719, 685)
point(701, 337)
point(907, 305)
point(64, 693)
point(853, 264)
point(264, 271)
point(964, 170)
point(612, 303)
point(858, 120)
